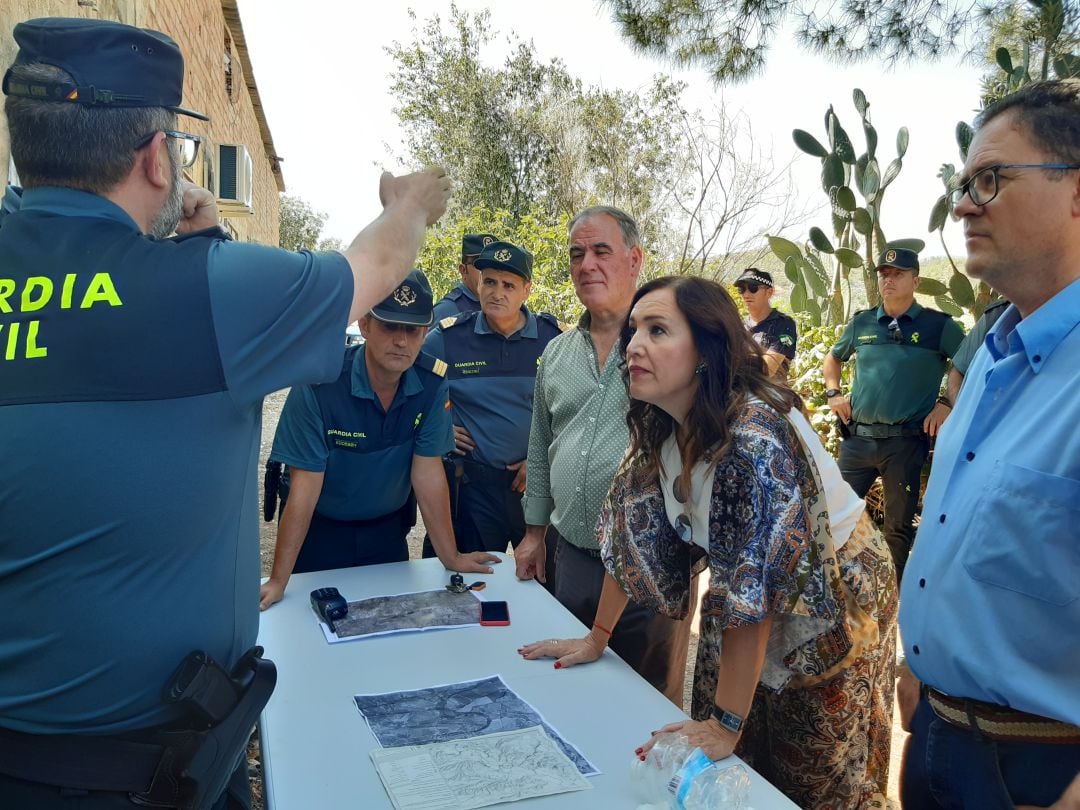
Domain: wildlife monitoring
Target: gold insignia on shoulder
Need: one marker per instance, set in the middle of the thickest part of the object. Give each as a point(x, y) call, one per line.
point(448, 321)
point(890, 256)
point(439, 367)
point(404, 295)
point(502, 255)
point(487, 241)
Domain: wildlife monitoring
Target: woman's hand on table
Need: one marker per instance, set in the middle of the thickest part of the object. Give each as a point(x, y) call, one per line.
point(567, 651)
point(712, 738)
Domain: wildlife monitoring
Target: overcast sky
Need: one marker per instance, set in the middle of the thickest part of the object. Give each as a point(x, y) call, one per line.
point(323, 76)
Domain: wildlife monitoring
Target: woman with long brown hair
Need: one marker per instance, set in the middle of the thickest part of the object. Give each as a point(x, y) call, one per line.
point(723, 468)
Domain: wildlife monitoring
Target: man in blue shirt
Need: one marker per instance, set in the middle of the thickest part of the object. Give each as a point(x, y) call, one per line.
point(356, 448)
point(491, 361)
point(990, 606)
point(465, 297)
point(128, 510)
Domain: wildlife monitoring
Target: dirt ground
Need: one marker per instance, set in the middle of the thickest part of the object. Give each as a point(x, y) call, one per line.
point(268, 534)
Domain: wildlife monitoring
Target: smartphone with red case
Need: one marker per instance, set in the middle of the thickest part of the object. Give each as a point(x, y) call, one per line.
point(494, 614)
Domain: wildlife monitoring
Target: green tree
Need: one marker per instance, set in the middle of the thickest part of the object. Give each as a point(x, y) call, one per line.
point(541, 234)
point(481, 123)
point(730, 40)
point(300, 226)
point(1031, 40)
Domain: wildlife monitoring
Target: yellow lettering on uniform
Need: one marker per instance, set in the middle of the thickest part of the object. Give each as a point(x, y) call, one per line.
point(65, 294)
point(32, 349)
point(43, 286)
point(101, 289)
point(7, 287)
point(12, 339)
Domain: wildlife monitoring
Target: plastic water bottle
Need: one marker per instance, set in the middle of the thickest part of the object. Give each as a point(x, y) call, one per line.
point(678, 776)
point(719, 788)
point(651, 777)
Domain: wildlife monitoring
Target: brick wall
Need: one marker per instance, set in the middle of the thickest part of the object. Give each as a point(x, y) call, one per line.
point(201, 30)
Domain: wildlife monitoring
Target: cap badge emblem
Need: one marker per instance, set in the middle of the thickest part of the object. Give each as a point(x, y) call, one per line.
point(404, 295)
point(502, 255)
point(488, 240)
point(890, 256)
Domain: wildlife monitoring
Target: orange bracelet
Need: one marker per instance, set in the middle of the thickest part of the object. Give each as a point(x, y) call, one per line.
point(597, 624)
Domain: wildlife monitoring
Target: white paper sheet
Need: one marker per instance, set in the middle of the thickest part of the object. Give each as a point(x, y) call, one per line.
point(476, 771)
point(456, 711)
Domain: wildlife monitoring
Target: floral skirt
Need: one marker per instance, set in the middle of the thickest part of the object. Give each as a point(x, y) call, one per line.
point(824, 742)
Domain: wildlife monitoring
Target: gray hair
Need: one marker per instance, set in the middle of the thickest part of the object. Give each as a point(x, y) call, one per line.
point(61, 143)
point(629, 227)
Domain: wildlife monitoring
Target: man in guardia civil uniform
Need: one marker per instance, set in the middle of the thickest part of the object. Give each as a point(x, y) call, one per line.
point(465, 296)
point(355, 448)
point(491, 359)
point(131, 386)
point(901, 351)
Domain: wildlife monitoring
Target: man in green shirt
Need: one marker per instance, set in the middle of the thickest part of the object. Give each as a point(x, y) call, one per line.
point(901, 351)
point(577, 440)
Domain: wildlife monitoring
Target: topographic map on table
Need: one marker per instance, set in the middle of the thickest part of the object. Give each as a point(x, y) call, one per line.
point(456, 711)
point(476, 771)
point(405, 612)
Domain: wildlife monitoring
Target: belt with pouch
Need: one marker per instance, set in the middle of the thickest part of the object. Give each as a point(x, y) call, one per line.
point(1000, 723)
point(878, 431)
point(186, 766)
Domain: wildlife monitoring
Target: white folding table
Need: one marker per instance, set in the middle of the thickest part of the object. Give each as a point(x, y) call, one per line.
point(315, 744)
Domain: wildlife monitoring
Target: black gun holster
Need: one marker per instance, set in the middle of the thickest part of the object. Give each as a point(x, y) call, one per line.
point(184, 766)
point(271, 487)
point(221, 709)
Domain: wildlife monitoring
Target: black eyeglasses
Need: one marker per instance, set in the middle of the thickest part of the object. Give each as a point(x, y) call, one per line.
point(189, 145)
point(751, 286)
point(983, 186)
point(895, 335)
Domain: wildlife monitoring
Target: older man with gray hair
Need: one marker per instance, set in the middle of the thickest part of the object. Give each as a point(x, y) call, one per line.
point(578, 438)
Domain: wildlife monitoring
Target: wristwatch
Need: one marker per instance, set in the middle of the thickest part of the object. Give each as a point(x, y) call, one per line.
point(832, 392)
point(729, 720)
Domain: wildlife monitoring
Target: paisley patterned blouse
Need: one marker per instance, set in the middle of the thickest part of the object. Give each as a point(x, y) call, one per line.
point(770, 549)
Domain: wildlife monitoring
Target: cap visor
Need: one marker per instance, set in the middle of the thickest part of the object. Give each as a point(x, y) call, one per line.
point(191, 113)
point(406, 320)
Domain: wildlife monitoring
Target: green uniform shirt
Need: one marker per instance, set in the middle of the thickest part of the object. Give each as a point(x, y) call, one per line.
point(578, 436)
point(897, 375)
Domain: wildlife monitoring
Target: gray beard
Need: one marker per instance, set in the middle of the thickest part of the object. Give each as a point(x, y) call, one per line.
point(168, 216)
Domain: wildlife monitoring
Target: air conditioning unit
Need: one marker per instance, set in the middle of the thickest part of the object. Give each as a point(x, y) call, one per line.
point(233, 177)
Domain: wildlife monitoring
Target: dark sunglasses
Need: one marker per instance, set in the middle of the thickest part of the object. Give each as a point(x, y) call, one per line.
point(683, 526)
point(895, 335)
point(749, 285)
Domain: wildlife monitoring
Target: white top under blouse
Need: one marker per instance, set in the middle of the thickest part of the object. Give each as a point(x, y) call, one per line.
point(843, 505)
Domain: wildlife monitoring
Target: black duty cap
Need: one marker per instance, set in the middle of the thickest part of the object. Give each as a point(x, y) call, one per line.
point(410, 304)
point(506, 256)
point(900, 258)
point(112, 64)
point(473, 244)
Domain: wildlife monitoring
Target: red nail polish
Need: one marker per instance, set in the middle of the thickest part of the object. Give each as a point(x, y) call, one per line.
point(558, 665)
point(637, 751)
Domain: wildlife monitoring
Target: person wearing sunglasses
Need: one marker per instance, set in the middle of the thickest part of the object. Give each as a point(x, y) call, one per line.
point(724, 470)
point(771, 328)
point(130, 417)
point(902, 349)
point(990, 611)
